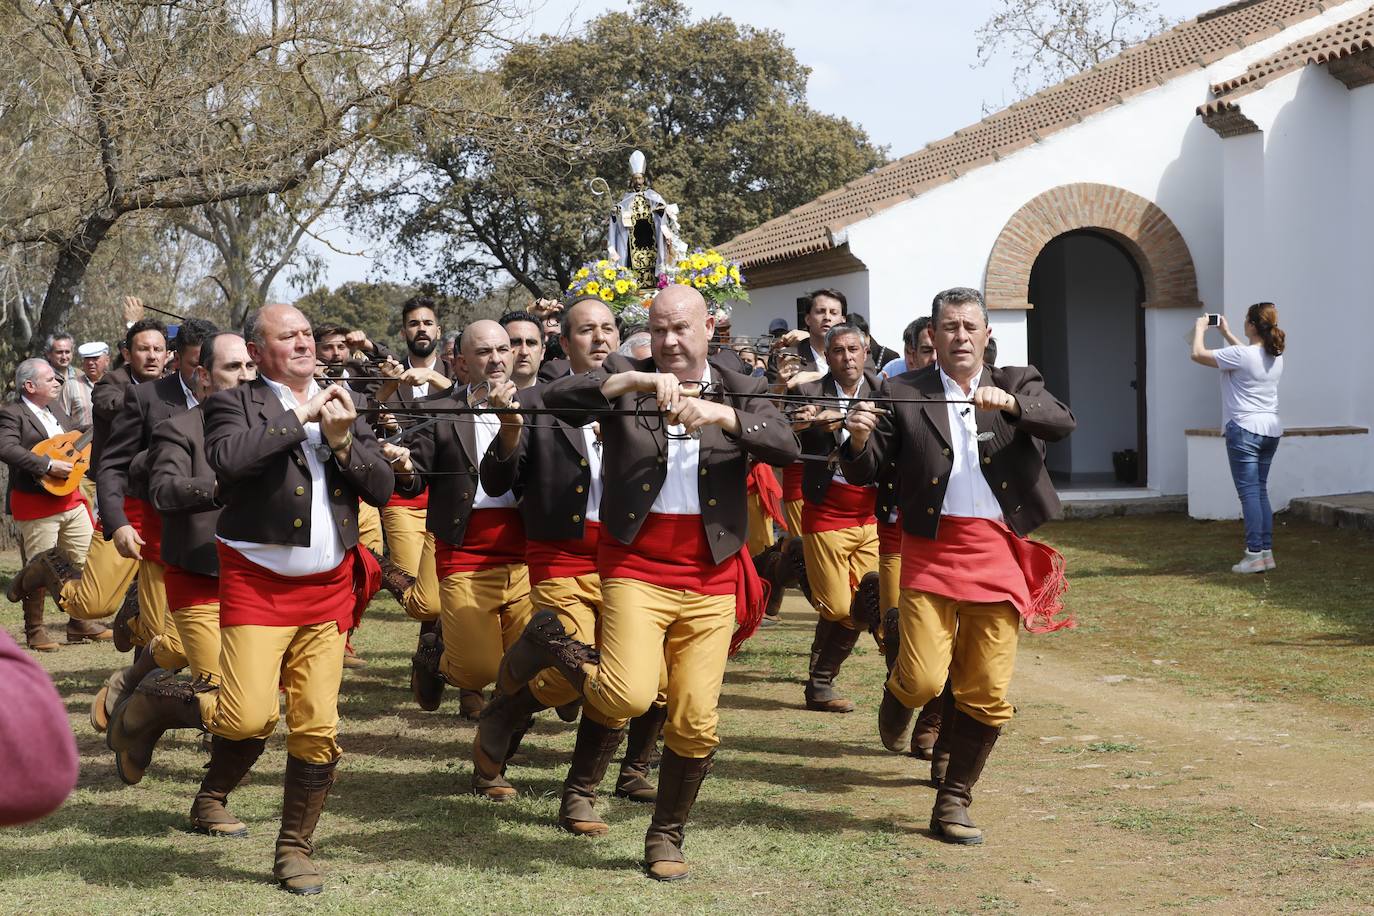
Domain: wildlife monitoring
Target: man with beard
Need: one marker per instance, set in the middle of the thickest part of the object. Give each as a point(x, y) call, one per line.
point(556, 468)
point(97, 588)
point(526, 347)
point(676, 581)
point(410, 546)
point(479, 538)
point(839, 531)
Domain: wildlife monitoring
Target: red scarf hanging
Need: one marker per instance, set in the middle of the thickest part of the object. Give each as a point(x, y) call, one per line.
point(764, 482)
point(889, 538)
point(148, 523)
point(980, 560)
point(792, 482)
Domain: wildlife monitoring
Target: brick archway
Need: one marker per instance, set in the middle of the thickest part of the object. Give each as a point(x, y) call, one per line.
point(1140, 227)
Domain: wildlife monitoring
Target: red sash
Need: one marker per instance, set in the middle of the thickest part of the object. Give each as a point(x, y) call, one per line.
point(493, 537)
point(845, 506)
point(671, 551)
point(148, 524)
point(558, 559)
point(188, 589)
point(250, 594)
point(25, 507)
point(792, 482)
point(980, 560)
point(763, 482)
point(410, 502)
point(889, 538)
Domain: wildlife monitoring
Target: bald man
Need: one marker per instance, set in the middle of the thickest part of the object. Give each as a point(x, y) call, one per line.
point(675, 572)
point(291, 460)
point(479, 538)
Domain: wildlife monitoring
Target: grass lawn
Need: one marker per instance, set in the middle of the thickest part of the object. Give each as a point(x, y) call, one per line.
point(1200, 742)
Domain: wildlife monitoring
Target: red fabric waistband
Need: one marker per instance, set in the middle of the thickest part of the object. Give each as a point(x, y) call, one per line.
point(410, 502)
point(188, 589)
point(148, 523)
point(558, 559)
point(25, 507)
point(250, 594)
point(845, 506)
point(792, 482)
point(980, 560)
point(671, 551)
point(493, 537)
point(889, 538)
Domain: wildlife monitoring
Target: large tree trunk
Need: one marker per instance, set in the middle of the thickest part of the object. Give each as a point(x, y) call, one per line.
point(73, 259)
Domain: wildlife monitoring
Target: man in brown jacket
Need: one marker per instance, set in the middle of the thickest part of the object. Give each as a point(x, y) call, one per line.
point(479, 537)
point(968, 444)
point(292, 461)
point(184, 491)
point(675, 574)
point(54, 531)
point(127, 516)
point(96, 588)
point(839, 531)
point(556, 468)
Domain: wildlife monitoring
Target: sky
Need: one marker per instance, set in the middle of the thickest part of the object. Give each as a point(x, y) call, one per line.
point(904, 71)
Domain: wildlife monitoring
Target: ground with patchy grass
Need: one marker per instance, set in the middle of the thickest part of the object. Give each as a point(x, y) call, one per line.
point(1201, 742)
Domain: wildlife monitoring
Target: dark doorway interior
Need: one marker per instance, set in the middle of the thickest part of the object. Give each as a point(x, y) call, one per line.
point(1086, 334)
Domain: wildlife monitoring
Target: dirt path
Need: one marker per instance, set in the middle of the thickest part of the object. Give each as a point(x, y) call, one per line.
point(1116, 794)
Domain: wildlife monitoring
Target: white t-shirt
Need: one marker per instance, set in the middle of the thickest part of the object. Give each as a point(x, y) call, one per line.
point(1250, 388)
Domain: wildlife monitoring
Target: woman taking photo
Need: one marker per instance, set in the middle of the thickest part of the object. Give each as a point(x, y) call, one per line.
point(1250, 419)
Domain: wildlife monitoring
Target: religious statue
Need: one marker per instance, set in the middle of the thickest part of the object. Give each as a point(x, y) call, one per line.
point(644, 231)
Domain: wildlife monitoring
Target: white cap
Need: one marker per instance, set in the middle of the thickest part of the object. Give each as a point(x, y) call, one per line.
point(95, 348)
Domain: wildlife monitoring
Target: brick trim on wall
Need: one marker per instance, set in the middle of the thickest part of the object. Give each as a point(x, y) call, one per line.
point(1140, 227)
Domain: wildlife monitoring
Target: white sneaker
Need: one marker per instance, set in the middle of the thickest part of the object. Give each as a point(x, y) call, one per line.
point(1253, 563)
point(1268, 559)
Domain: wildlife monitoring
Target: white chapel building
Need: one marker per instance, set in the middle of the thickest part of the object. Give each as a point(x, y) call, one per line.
point(1227, 161)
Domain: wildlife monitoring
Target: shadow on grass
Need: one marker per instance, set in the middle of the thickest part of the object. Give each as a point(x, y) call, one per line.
point(149, 863)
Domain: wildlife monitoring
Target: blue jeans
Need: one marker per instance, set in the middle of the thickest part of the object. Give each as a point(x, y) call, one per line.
point(1250, 455)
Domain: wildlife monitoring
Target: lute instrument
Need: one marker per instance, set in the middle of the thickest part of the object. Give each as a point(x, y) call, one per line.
point(74, 447)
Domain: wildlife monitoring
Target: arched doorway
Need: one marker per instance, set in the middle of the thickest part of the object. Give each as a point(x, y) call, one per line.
point(1086, 260)
point(1086, 334)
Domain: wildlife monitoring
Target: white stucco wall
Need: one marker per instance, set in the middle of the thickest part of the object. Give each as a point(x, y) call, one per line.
point(1154, 146)
point(781, 302)
point(1303, 466)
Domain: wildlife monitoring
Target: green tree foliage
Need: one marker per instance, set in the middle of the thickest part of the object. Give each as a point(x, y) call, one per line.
point(718, 107)
point(371, 307)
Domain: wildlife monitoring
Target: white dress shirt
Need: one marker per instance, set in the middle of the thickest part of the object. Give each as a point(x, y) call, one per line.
point(968, 494)
point(191, 401)
point(419, 391)
point(485, 426)
point(680, 495)
point(594, 490)
point(844, 398)
point(326, 549)
point(46, 418)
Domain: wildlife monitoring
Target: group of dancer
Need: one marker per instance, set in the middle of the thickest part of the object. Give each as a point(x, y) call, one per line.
point(595, 533)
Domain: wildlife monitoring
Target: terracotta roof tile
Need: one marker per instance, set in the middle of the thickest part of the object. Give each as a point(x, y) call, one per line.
point(1184, 48)
point(1352, 36)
